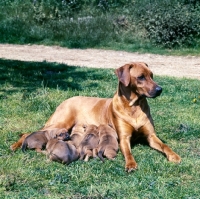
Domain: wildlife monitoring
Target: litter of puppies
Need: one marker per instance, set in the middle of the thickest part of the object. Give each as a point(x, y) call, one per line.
point(84, 142)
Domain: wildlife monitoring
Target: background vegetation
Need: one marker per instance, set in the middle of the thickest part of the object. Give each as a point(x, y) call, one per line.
point(133, 25)
point(29, 94)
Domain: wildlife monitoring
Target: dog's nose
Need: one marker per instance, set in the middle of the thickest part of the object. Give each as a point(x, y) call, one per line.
point(158, 90)
point(67, 137)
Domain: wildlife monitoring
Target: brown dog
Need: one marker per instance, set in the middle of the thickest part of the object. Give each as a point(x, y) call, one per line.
point(108, 144)
point(38, 140)
point(60, 151)
point(128, 111)
point(88, 146)
point(77, 134)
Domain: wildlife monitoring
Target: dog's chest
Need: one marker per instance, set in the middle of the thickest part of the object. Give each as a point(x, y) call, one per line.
point(136, 117)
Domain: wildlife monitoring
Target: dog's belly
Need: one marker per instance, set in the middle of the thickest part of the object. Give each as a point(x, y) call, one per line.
point(80, 110)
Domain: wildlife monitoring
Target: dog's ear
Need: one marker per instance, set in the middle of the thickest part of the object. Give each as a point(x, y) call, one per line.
point(146, 64)
point(123, 74)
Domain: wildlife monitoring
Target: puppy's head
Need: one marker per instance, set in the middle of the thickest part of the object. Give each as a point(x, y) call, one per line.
point(138, 77)
point(106, 130)
point(91, 128)
point(61, 134)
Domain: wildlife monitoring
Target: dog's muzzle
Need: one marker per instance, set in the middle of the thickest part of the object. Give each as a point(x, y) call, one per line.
point(157, 91)
point(67, 137)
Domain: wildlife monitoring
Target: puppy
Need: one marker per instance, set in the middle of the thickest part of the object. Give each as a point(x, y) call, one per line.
point(60, 151)
point(77, 134)
point(108, 144)
point(88, 146)
point(38, 140)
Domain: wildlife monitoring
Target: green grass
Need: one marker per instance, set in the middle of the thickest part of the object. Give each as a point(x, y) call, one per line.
point(29, 94)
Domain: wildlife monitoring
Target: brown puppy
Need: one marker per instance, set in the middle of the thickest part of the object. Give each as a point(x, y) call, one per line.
point(77, 134)
point(89, 144)
point(108, 144)
point(38, 140)
point(128, 111)
point(60, 151)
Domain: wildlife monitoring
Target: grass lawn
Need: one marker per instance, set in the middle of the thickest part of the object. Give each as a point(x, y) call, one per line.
point(29, 94)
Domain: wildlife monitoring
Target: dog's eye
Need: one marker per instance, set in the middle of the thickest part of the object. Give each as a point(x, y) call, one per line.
point(61, 134)
point(141, 78)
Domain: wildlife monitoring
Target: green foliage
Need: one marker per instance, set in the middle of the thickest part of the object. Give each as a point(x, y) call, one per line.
point(132, 25)
point(45, 10)
point(29, 94)
point(171, 24)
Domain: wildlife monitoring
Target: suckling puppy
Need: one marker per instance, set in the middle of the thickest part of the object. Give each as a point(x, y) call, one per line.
point(108, 144)
point(60, 151)
point(38, 140)
point(77, 134)
point(89, 144)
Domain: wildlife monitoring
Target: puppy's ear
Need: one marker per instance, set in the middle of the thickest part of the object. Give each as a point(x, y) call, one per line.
point(123, 74)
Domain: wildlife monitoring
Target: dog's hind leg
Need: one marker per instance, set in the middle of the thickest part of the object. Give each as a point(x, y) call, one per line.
point(94, 152)
point(100, 155)
point(88, 155)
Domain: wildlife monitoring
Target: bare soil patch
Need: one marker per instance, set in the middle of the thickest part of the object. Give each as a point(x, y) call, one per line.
point(177, 66)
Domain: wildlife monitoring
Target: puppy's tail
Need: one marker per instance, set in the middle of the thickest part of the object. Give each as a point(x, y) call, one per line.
point(100, 155)
point(24, 146)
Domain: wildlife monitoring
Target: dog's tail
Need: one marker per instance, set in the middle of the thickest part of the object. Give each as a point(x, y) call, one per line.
point(100, 155)
point(24, 146)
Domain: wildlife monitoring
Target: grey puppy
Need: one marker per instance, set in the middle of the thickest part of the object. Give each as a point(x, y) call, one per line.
point(60, 151)
point(89, 144)
point(38, 140)
point(108, 144)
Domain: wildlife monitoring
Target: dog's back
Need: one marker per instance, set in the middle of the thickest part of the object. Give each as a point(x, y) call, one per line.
point(108, 144)
point(60, 151)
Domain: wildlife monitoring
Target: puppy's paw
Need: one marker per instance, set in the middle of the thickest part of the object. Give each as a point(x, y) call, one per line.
point(131, 166)
point(174, 158)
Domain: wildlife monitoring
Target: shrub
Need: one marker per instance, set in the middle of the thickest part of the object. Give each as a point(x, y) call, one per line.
point(171, 24)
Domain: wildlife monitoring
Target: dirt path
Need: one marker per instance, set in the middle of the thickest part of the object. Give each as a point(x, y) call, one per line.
point(178, 66)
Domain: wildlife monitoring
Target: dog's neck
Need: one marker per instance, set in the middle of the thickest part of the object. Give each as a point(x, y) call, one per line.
point(128, 95)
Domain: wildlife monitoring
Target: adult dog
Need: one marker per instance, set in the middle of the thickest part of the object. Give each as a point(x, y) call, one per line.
point(128, 111)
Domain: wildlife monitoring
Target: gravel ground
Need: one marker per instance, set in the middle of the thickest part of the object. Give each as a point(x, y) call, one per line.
point(177, 66)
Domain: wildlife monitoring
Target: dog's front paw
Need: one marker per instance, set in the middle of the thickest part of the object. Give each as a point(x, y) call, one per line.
point(131, 166)
point(174, 158)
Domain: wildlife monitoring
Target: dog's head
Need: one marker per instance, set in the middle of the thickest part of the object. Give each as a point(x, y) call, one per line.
point(138, 78)
point(59, 134)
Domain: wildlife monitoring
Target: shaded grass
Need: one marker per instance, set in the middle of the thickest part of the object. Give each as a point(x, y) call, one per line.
point(29, 94)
